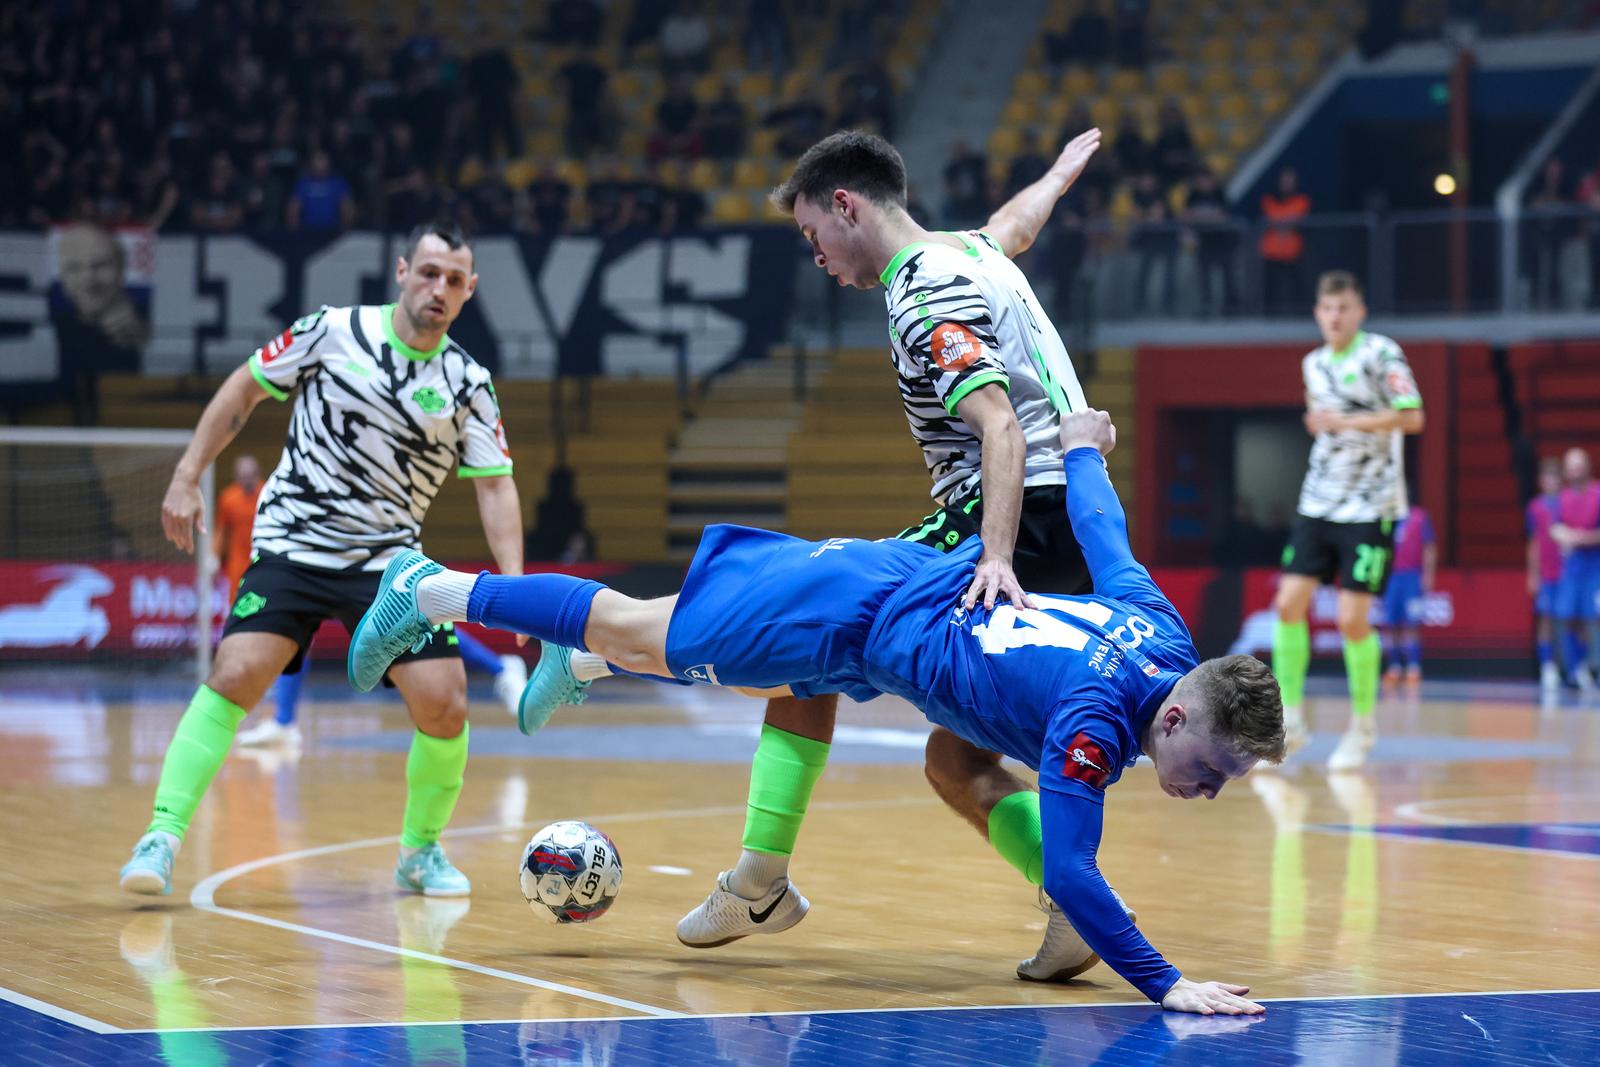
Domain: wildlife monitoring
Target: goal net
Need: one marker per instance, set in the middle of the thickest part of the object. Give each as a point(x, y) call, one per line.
point(87, 576)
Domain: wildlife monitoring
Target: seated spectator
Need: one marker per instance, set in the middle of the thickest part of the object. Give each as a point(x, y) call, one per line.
point(591, 123)
point(411, 198)
point(1086, 42)
point(321, 199)
point(684, 208)
point(1133, 47)
point(723, 131)
point(1027, 167)
point(766, 37)
point(648, 196)
point(966, 176)
point(1131, 150)
point(490, 202)
point(263, 196)
point(492, 83)
point(685, 38)
point(604, 197)
point(866, 98)
point(1216, 241)
point(1172, 154)
point(677, 129)
point(218, 208)
point(801, 121)
point(574, 22)
point(550, 200)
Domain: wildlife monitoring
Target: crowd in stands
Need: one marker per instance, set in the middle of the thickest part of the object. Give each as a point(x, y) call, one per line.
point(228, 116)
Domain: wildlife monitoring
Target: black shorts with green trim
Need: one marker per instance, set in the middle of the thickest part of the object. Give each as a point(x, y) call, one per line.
point(291, 600)
point(1354, 555)
point(1047, 558)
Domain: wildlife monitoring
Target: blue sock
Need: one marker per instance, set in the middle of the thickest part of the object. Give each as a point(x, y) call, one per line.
point(287, 691)
point(476, 654)
point(551, 607)
point(1414, 651)
point(1574, 648)
point(1547, 652)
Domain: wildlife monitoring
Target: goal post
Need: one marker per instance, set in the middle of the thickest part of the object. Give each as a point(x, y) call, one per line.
point(87, 575)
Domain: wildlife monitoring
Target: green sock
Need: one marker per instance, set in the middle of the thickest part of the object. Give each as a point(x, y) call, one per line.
point(1363, 660)
point(785, 769)
point(201, 743)
point(1291, 655)
point(1015, 833)
point(433, 784)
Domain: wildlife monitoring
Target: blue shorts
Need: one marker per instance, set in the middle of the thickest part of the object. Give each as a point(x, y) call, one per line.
point(1544, 605)
point(761, 609)
point(1578, 593)
point(1402, 600)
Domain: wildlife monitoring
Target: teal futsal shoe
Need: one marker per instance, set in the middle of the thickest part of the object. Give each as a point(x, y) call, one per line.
point(550, 686)
point(149, 871)
point(429, 872)
point(393, 624)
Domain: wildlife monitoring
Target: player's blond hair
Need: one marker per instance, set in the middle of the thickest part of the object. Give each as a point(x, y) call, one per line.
point(1243, 704)
point(1334, 282)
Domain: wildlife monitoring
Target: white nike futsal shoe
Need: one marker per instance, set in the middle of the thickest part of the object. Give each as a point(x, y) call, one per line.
point(1063, 955)
point(726, 916)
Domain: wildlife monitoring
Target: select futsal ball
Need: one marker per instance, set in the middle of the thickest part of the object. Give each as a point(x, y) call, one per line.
point(570, 873)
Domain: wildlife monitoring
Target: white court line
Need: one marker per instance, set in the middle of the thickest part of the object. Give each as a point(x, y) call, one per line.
point(1401, 835)
point(203, 896)
point(1421, 810)
point(61, 1014)
point(1322, 999)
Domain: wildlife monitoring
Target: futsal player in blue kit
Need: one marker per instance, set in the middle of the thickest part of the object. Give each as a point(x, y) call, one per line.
point(1077, 688)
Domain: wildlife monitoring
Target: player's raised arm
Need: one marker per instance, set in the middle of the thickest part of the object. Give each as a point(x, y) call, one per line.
point(1018, 221)
point(1098, 521)
point(1071, 827)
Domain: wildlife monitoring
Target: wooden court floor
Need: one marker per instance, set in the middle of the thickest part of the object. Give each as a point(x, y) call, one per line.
point(1465, 860)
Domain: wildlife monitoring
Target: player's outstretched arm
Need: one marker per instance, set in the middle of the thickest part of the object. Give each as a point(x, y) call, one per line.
point(1071, 826)
point(1098, 521)
point(182, 509)
point(1019, 220)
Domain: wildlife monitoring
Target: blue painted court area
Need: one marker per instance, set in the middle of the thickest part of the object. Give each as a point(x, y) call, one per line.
point(1491, 1028)
point(1575, 838)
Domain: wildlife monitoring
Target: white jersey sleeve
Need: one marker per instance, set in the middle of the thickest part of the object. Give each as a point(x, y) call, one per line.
point(285, 362)
point(483, 451)
point(946, 328)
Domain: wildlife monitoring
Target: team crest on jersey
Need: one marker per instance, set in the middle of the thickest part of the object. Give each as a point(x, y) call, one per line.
point(1086, 761)
point(954, 347)
point(428, 399)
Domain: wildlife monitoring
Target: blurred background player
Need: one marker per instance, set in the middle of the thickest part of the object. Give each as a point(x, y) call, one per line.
point(1544, 569)
point(338, 508)
point(1577, 531)
point(1416, 556)
point(1360, 399)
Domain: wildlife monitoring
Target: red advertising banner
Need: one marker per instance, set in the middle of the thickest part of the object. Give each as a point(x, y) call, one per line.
point(72, 610)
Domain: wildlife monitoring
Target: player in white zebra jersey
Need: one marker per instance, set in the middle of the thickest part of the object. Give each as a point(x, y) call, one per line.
point(385, 404)
point(1360, 400)
point(985, 380)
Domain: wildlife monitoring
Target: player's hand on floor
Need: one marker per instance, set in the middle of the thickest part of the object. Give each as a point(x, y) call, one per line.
point(995, 580)
point(1090, 428)
point(1210, 998)
point(182, 510)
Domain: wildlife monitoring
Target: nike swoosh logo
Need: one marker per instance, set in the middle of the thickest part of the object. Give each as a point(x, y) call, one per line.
point(766, 913)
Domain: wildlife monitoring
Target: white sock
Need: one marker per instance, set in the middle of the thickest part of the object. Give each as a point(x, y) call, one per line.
point(755, 872)
point(443, 597)
point(587, 666)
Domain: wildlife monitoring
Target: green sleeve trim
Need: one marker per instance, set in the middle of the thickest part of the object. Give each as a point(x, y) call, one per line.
point(387, 314)
point(1406, 403)
point(261, 379)
point(482, 472)
point(977, 381)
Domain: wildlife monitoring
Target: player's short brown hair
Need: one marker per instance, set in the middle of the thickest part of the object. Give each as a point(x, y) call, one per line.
point(1334, 282)
point(1243, 703)
point(856, 160)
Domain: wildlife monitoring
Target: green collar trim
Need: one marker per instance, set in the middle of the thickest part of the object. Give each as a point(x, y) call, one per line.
point(901, 256)
point(387, 312)
point(1351, 347)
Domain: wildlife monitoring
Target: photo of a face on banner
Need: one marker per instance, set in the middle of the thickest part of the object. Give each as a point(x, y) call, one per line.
point(98, 306)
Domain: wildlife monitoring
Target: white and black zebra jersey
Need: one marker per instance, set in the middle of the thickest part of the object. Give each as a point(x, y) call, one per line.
point(1356, 476)
point(961, 319)
point(376, 428)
